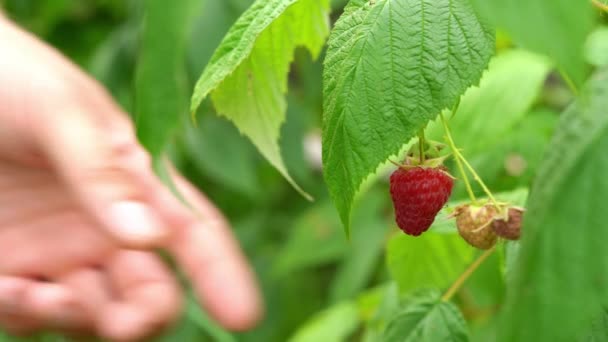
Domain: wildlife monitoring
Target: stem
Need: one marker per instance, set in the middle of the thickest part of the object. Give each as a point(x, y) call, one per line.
point(466, 274)
point(463, 174)
point(601, 6)
point(461, 159)
point(569, 82)
point(421, 145)
point(480, 181)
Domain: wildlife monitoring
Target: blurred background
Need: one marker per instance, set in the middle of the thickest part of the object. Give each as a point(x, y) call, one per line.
point(318, 286)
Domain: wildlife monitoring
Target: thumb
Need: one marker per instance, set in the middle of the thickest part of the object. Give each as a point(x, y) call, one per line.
point(108, 173)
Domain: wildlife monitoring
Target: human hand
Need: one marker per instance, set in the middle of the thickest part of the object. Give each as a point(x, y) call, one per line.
point(80, 210)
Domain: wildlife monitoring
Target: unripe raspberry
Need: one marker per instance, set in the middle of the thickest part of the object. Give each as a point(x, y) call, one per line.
point(475, 225)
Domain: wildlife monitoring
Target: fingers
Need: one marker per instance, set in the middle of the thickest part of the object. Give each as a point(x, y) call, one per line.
point(133, 297)
point(28, 305)
point(48, 246)
point(93, 288)
point(210, 256)
point(147, 297)
point(13, 316)
point(109, 173)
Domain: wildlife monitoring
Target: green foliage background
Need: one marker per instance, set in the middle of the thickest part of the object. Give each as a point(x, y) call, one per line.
point(380, 284)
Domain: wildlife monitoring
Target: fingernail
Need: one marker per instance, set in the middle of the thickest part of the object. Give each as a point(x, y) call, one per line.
point(135, 222)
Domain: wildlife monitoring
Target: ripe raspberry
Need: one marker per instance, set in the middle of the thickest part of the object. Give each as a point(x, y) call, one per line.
point(475, 225)
point(510, 228)
point(418, 194)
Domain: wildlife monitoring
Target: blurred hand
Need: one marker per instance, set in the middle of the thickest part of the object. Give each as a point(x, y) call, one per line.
point(81, 210)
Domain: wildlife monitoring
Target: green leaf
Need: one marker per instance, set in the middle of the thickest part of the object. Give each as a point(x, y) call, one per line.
point(557, 29)
point(599, 329)
point(427, 319)
point(391, 66)
point(247, 75)
point(596, 50)
point(430, 260)
point(160, 79)
point(333, 324)
point(560, 281)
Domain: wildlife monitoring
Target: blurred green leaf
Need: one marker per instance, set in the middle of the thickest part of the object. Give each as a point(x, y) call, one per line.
point(213, 22)
point(160, 80)
point(559, 283)
point(247, 75)
point(293, 136)
point(596, 49)
point(370, 232)
point(427, 319)
point(392, 66)
point(316, 239)
point(557, 29)
point(513, 161)
point(599, 329)
point(334, 324)
point(114, 60)
point(430, 260)
point(511, 253)
point(489, 112)
point(204, 323)
point(232, 162)
point(390, 303)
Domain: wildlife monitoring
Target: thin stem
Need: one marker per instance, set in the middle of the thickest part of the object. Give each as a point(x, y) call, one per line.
point(461, 159)
point(602, 6)
point(569, 82)
point(463, 174)
point(466, 274)
point(480, 181)
point(421, 145)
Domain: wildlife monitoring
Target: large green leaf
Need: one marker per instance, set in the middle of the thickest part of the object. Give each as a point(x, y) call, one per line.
point(560, 282)
point(391, 66)
point(557, 28)
point(161, 76)
point(427, 319)
point(431, 260)
point(247, 75)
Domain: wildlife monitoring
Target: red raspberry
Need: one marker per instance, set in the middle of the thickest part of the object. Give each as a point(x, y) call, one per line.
point(418, 194)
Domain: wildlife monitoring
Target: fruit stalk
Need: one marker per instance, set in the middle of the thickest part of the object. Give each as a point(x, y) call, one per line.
point(421, 145)
point(463, 174)
point(460, 159)
point(466, 274)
